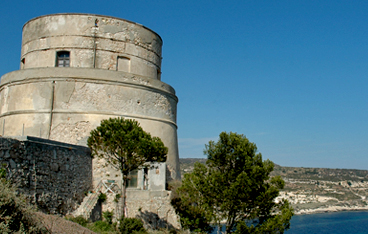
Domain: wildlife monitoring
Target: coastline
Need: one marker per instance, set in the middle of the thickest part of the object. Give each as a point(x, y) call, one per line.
point(330, 209)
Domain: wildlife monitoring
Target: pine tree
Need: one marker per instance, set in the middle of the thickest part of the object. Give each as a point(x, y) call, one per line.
point(125, 146)
point(234, 186)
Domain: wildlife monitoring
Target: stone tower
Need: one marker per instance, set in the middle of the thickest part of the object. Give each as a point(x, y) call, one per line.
point(77, 69)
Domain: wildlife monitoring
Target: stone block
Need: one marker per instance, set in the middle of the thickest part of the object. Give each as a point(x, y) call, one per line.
point(54, 167)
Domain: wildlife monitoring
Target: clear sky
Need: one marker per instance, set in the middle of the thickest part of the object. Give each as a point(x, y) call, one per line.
point(290, 75)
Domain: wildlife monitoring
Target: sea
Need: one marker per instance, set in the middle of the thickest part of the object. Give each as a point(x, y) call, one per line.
point(345, 222)
point(336, 222)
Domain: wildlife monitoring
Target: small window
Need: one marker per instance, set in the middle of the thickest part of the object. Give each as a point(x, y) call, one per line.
point(158, 74)
point(133, 179)
point(23, 62)
point(63, 59)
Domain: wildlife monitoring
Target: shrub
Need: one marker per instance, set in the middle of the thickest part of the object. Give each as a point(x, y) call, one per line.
point(131, 225)
point(102, 197)
point(108, 216)
point(16, 215)
point(79, 220)
point(102, 226)
point(117, 197)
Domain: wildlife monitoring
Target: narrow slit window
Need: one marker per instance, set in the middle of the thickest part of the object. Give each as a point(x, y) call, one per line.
point(63, 59)
point(158, 74)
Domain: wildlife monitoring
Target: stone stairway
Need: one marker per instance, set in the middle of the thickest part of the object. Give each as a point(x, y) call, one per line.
point(89, 202)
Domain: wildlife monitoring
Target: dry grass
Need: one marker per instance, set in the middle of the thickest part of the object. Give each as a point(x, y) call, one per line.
point(58, 225)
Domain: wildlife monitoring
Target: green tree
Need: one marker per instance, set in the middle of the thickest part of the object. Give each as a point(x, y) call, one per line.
point(125, 146)
point(235, 186)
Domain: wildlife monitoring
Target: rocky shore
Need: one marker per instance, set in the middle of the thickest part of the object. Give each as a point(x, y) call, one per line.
point(330, 209)
point(310, 196)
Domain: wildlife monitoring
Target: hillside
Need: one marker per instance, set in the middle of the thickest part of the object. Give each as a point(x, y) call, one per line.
point(313, 190)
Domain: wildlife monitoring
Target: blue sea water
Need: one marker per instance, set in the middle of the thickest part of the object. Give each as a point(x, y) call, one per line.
point(354, 222)
point(339, 222)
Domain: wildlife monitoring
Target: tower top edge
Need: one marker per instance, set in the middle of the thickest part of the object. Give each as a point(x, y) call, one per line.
point(95, 15)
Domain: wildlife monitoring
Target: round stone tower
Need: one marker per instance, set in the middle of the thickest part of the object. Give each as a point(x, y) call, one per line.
point(77, 69)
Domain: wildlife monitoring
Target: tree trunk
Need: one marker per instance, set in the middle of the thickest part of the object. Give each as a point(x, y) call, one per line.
point(124, 195)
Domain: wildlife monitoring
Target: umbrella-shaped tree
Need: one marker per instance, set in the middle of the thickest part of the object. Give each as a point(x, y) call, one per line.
point(125, 146)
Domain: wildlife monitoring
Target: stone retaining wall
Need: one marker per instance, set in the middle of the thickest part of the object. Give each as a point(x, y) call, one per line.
point(53, 175)
point(153, 207)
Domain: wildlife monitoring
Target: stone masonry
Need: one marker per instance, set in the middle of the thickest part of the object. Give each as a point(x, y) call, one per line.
point(55, 176)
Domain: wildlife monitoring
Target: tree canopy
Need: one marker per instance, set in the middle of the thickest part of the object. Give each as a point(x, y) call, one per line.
point(125, 146)
point(234, 186)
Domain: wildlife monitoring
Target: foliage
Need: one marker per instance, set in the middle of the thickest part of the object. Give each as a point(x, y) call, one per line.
point(192, 215)
point(167, 231)
point(108, 215)
point(3, 174)
point(79, 220)
point(273, 225)
point(16, 215)
point(117, 197)
point(102, 227)
point(235, 186)
point(102, 197)
point(131, 225)
point(125, 146)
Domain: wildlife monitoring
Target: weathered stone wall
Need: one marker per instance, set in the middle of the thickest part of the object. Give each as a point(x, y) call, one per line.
point(53, 175)
point(65, 104)
point(94, 41)
point(153, 207)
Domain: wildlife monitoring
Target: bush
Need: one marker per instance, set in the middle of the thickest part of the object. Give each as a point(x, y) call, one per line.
point(102, 197)
point(131, 225)
point(102, 226)
point(16, 215)
point(108, 215)
point(79, 220)
point(117, 197)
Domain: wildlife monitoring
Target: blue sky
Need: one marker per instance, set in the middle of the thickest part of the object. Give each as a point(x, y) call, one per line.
point(290, 75)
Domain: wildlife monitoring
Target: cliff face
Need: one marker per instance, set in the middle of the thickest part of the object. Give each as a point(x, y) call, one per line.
point(312, 190)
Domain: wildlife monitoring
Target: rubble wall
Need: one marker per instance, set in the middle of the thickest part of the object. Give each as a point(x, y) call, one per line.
point(53, 175)
point(153, 207)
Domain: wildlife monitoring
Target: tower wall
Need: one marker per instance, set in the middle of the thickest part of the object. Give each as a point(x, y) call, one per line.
point(93, 42)
point(66, 103)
